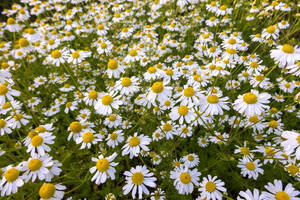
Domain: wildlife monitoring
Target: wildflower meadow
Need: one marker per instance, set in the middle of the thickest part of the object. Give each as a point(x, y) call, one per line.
point(150, 99)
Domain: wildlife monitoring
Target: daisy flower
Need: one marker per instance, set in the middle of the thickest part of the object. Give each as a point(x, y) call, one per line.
point(250, 168)
point(115, 138)
point(189, 96)
point(212, 188)
point(286, 54)
point(113, 120)
point(39, 144)
point(137, 179)
point(91, 97)
point(185, 179)
point(114, 69)
point(75, 129)
point(76, 57)
point(276, 191)
point(104, 167)
point(135, 144)
point(191, 160)
point(106, 102)
point(183, 113)
point(127, 85)
point(35, 167)
point(57, 57)
point(159, 91)
point(213, 105)
point(11, 181)
point(8, 92)
point(49, 191)
point(252, 103)
point(87, 139)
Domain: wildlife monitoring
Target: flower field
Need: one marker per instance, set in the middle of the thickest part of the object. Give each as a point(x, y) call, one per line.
point(150, 99)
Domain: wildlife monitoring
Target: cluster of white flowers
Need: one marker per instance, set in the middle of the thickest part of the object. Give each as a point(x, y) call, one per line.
point(128, 96)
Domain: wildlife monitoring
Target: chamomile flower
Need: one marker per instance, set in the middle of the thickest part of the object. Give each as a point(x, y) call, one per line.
point(276, 191)
point(185, 179)
point(87, 139)
point(286, 54)
point(212, 188)
point(183, 114)
point(127, 85)
point(137, 179)
point(49, 191)
point(104, 168)
point(39, 144)
point(250, 168)
point(191, 160)
point(159, 91)
point(135, 144)
point(11, 180)
point(115, 138)
point(252, 103)
point(107, 102)
point(114, 69)
point(214, 105)
point(36, 167)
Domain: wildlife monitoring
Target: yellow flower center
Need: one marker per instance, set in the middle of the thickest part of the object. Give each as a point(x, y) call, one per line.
point(112, 64)
point(190, 158)
point(273, 124)
point(185, 177)
point(250, 98)
point(198, 78)
point(134, 141)
point(103, 45)
point(88, 137)
point(269, 152)
point(23, 42)
point(126, 82)
point(47, 191)
point(112, 118)
point(3, 89)
point(231, 41)
point(93, 94)
point(254, 64)
point(37, 141)
point(75, 54)
point(183, 110)
point(2, 123)
point(292, 169)
point(107, 99)
point(34, 164)
point(245, 151)
point(11, 175)
point(210, 186)
point(250, 166)
point(259, 78)
point(137, 178)
point(231, 51)
point(132, 52)
point(11, 21)
point(271, 29)
point(212, 99)
point(189, 92)
point(100, 27)
point(167, 103)
point(298, 139)
point(287, 85)
point(169, 72)
point(151, 70)
point(167, 127)
point(282, 196)
point(55, 54)
point(102, 164)
point(113, 136)
point(286, 48)
point(157, 87)
point(75, 127)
